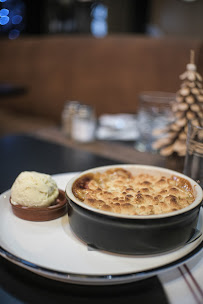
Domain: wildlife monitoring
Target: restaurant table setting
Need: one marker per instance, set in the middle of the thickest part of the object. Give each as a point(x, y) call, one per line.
point(46, 261)
point(121, 126)
point(80, 123)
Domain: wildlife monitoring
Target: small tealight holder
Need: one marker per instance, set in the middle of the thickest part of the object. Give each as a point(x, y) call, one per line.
point(84, 124)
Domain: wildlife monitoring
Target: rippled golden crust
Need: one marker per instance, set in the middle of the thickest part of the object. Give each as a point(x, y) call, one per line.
point(118, 191)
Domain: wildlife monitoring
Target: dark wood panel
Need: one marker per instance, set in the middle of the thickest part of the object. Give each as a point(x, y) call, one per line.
point(107, 73)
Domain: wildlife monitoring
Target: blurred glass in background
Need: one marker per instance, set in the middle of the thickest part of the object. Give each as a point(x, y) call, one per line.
point(154, 113)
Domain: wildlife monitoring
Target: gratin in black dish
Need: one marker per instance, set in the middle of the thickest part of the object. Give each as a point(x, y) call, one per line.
point(138, 235)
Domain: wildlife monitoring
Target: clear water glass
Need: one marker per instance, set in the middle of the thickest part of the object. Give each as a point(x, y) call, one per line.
point(193, 165)
point(154, 113)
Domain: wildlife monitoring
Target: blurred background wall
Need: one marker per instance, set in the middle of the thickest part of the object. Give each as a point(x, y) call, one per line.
point(102, 17)
point(101, 52)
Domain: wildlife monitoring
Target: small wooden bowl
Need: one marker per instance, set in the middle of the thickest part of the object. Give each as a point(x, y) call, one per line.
point(38, 214)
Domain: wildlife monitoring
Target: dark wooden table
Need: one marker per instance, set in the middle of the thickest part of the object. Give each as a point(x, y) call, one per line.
point(120, 151)
point(17, 285)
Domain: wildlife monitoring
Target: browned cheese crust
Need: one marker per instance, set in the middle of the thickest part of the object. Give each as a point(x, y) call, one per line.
point(118, 191)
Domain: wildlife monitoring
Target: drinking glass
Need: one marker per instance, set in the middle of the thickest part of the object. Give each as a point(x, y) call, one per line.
point(154, 113)
point(193, 166)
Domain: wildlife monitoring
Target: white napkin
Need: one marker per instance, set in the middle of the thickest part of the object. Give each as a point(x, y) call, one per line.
point(184, 284)
point(117, 127)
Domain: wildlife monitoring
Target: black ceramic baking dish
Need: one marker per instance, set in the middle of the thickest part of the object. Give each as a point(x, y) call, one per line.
point(125, 234)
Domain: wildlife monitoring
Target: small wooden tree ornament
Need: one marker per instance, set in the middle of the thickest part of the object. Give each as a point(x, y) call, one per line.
point(188, 105)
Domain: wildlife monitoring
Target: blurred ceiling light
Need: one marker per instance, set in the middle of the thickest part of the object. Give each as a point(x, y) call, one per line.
point(4, 12)
point(17, 19)
point(4, 19)
point(99, 26)
point(99, 11)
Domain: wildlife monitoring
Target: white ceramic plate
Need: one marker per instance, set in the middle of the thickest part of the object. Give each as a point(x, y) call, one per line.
point(50, 249)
